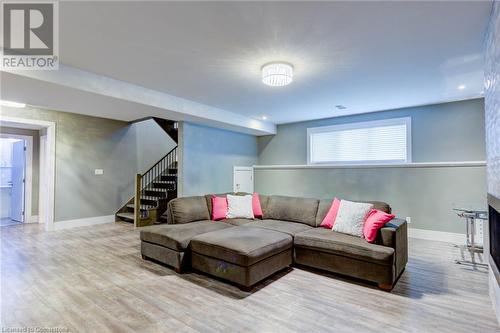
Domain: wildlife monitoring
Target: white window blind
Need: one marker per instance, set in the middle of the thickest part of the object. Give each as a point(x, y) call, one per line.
point(384, 141)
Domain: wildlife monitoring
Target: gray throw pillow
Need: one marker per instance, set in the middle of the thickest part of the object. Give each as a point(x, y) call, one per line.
point(351, 217)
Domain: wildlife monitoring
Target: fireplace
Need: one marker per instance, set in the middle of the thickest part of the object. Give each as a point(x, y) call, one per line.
point(494, 230)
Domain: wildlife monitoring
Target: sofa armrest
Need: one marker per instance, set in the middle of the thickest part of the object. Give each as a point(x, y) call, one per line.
point(395, 234)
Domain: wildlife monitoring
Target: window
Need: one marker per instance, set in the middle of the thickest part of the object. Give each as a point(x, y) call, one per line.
point(373, 142)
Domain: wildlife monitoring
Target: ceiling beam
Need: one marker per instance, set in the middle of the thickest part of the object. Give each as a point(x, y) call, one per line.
point(50, 89)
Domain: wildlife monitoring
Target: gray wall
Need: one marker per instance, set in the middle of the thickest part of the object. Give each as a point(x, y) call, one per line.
point(427, 195)
point(208, 155)
point(86, 143)
point(35, 161)
point(492, 98)
point(152, 143)
point(443, 132)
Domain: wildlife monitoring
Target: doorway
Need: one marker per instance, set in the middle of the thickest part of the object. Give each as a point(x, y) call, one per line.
point(46, 176)
point(15, 179)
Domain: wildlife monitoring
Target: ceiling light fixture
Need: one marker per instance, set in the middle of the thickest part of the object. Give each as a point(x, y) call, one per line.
point(12, 104)
point(277, 74)
point(461, 87)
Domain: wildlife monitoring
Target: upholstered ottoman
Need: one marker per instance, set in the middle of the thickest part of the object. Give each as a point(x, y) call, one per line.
point(169, 243)
point(242, 255)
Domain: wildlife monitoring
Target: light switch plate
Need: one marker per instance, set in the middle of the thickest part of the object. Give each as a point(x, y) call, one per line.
point(99, 172)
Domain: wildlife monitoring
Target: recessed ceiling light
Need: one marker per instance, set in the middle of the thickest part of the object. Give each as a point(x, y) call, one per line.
point(277, 74)
point(264, 117)
point(12, 104)
point(461, 87)
point(340, 107)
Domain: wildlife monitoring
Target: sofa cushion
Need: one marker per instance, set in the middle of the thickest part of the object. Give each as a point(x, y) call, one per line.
point(302, 210)
point(325, 240)
point(256, 207)
point(239, 206)
point(240, 245)
point(219, 208)
point(264, 201)
point(325, 204)
point(290, 228)
point(188, 209)
point(351, 217)
point(380, 205)
point(331, 216)
point(237, 222)
point(178, 236)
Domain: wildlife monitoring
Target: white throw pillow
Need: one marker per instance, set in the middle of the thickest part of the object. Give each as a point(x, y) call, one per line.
point(239, 206)
point(351, 217)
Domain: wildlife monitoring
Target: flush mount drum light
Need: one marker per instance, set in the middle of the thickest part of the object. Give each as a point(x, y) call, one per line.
point(277, 74)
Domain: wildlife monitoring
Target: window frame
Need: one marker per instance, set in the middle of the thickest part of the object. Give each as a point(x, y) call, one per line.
point(358, 125)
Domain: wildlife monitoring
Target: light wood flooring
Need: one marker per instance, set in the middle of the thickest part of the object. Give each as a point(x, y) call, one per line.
point(92, 279)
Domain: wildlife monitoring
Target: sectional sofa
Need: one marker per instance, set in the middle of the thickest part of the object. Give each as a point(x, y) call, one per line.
point(244, 251)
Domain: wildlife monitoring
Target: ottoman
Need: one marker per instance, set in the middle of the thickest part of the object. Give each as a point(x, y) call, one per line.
point(242, 255)
point(169, 243)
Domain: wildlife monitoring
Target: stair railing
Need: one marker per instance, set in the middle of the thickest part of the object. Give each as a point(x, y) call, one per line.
point(144, 182)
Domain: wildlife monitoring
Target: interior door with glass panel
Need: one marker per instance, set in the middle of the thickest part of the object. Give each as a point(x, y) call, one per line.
point(18, 176)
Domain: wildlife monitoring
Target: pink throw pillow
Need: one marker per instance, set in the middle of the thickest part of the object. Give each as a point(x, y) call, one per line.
point(330, 217)
point(376, 219)
point(257, 209)
point(219, 208)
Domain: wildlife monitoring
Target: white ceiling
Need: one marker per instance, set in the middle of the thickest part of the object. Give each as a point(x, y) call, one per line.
point(367, 56)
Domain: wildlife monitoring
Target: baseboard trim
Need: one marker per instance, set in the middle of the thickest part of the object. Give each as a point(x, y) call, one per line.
point(441, 236)
point(84, 222)
point(33, 219)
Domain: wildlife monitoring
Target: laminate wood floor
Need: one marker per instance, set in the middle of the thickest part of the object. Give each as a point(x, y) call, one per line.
point(92, 279)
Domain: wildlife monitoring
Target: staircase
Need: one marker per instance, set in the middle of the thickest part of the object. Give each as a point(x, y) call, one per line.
point(154, 188)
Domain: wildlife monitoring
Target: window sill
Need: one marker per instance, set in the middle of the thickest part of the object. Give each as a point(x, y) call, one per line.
point(370, 166)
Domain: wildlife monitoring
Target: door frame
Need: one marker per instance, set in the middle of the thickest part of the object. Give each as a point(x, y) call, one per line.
point(242, 168)
point(28, 216)
point(50, 176)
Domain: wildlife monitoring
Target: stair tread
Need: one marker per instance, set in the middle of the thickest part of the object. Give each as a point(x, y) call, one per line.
point(142, 206)
point(129, 216)
point(158, 189)
point(148, 197)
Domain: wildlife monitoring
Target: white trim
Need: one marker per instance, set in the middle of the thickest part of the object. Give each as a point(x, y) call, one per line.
point(440, 236)
point(42, 180)
point(456, 164)
point(358, 125)
point(84, 222)
point(28, 174)
point(51, 158)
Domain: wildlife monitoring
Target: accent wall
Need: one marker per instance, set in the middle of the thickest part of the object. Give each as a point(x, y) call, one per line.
point(207, 156)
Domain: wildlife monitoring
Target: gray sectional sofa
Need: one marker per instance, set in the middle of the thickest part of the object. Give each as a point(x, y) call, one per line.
point(245, 251)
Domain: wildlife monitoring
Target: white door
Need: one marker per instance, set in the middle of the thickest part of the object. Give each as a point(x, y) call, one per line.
point(18, 175)
point(243, 179)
